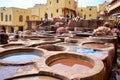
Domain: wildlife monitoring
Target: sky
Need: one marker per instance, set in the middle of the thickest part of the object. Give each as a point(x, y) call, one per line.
point(30, 3)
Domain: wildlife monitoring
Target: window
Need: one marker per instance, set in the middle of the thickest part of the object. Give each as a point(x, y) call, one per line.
point(10, 18)
point(46, 16)
point(90, 15)
point(20, 28)
point(57, 1)
point(41, 18)
point(84, 16)
point(12, 29)
point(27, 18)
point(1, 16)
point(69, 2)
point(57, 10)
point(51, 15)
point(6, 17)
point(90, 9)
point(81, 10)
point(20, 18)
point(50, 2)
point(78, 14)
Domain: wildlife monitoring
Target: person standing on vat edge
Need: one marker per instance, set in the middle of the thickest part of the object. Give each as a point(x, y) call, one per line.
point(3, 37)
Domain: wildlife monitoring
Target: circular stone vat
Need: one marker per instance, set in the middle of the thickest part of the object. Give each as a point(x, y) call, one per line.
point(108, 39)
point(103, 46)
point(66, 44)
point(97, 45)
point(75, 64)
point(11, 46)
point(7, 71)
point(41, 76)
point(97, 53)
point(102, 55)
point(35, 39)
point(51, 40)
point(51, 47)
point(36, 78)
point(21, 55)
point(30, 36)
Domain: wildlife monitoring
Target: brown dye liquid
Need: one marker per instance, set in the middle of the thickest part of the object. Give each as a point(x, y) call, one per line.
point(52, 48)
point(96, 45)
point(49, 39)
point(37, 78)
point(14, 46)
point(71, 64)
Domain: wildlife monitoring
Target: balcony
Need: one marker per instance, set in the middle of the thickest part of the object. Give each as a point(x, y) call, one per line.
point(113, 6)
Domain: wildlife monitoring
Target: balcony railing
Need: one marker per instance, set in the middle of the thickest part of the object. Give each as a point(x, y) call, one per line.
point(113, 6)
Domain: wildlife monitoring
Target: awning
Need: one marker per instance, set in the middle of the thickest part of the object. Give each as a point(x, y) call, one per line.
point(116, 14)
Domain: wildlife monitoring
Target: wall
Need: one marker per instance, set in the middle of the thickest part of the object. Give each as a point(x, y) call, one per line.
point(15, 13)
point(89, 12)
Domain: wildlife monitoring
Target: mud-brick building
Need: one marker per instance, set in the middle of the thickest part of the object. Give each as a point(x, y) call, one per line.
point(12, 19)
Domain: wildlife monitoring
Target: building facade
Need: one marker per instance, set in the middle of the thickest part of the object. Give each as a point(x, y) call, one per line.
point(35, 12)
point(56, 8)
point(92, 12)
point(12, 19)
point(52, 9)
point(89, 12)
point(102, 7)
point(101, 10)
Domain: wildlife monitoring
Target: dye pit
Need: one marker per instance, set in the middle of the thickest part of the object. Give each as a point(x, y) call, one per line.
point(93, 52)
point(71, 65)
point(49, 39)
point(51, 47)
point(67, 44)
point(96, 45)
point(7, 71)
point(63, 64)
point(21, 56)
point(9, 46)
point(37, 78)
